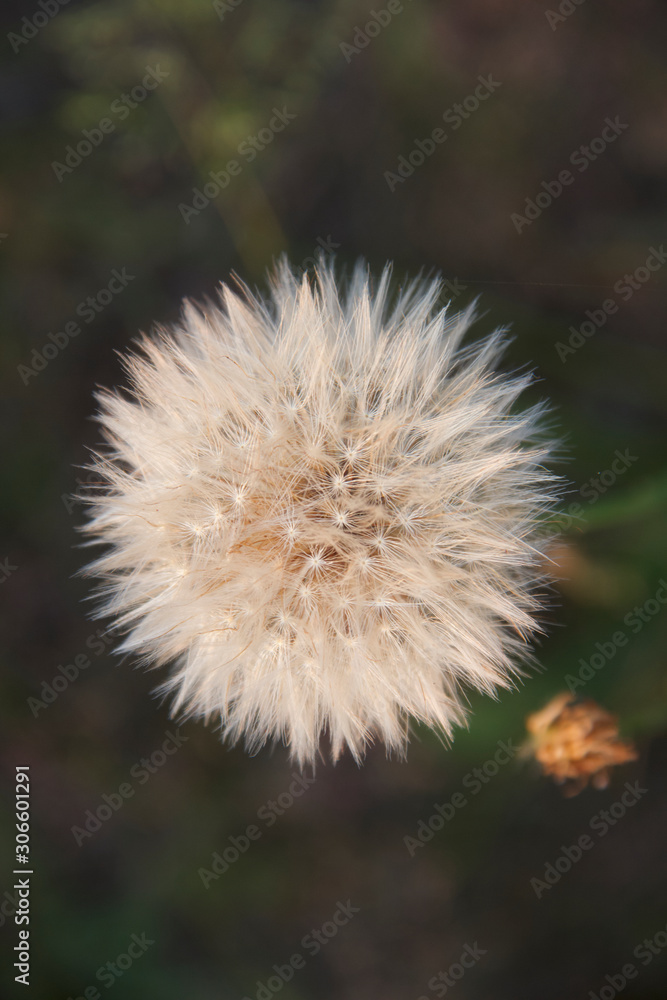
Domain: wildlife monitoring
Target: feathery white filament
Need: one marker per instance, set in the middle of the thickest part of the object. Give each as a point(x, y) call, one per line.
point(323, 509)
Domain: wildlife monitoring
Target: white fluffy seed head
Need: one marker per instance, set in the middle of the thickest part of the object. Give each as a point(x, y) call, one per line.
point(324, 510)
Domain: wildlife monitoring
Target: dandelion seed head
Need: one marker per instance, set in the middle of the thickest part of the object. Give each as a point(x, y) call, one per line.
point(324, 511)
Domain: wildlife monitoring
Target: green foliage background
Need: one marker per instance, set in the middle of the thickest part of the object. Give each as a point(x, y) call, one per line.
point(321, 181)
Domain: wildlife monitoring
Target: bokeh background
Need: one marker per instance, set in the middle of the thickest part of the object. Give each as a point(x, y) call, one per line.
point(320, 183)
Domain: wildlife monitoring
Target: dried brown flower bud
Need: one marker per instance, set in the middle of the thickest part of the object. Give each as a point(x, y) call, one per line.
point(577, 742)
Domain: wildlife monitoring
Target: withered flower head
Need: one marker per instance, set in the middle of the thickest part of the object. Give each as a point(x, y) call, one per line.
point(577, 742)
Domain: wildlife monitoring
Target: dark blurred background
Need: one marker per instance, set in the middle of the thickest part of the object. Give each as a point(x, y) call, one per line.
point(355, 88)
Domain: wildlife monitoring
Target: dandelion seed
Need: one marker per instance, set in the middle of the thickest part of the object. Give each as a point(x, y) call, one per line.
point(371, 488)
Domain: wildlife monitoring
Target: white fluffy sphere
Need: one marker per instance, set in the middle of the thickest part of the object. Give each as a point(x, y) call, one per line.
point(323, 510)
